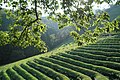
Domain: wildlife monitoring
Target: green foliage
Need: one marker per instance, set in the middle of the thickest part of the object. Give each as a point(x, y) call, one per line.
point(29, 36)
point(75, 35)
point(4, 38)
point(27, 27)
point(118, 3)
point(83, 18)
point(84, 38)
point(96, 61)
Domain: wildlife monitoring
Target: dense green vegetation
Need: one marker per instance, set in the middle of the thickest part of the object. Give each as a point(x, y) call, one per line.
point(27, 27)
point(98, 61)
point(24, 32)
point(53, 38)
point(23, 26)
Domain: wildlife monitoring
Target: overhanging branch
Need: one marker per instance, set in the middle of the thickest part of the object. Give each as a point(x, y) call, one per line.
point(36, 9)
point(29, 24)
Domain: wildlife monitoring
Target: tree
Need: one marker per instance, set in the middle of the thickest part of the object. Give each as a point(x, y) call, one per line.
point(27, 27)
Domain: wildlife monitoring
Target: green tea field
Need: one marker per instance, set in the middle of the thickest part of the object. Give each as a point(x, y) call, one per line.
point(100, 61)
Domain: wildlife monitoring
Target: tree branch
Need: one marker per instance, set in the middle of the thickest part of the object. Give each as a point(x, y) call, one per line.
point(29, 24)
point(36, 9)
point(20, 4)
point(26, 28)
point(78, 25)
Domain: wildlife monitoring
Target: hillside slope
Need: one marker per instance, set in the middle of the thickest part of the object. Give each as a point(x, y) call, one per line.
point(114, 11)
point(100, 61)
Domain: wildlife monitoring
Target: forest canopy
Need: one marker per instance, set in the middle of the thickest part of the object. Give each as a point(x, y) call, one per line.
point(26, 28)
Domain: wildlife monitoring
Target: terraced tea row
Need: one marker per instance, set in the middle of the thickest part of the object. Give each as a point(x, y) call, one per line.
point(116, 46)
point(99, 61)
point(110, 40)
point(91, 73)
point(109, 64)
point(94, 56)
point(101, 69)
point(102, 49)
point(66, 71)
point(99, 52)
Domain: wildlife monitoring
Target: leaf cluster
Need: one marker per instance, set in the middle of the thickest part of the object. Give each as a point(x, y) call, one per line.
point(27, 27)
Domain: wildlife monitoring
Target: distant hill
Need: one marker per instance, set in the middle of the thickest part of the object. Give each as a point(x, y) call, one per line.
point(114, 11)
point(54, 36)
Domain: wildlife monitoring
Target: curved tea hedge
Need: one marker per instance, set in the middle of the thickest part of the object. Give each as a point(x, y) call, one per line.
point(100, 61)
